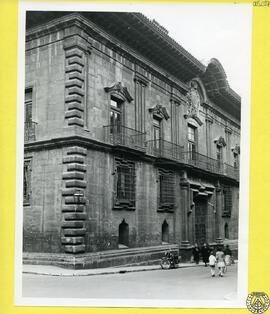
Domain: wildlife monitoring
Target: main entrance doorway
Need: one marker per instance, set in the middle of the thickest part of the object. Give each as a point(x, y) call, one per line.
point(200, 219)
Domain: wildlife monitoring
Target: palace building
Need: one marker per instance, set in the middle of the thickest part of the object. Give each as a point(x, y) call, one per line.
point(131, 147)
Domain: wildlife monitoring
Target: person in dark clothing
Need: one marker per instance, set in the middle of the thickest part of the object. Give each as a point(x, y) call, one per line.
point(196, 253)
point(228, 255)
point(205, 251)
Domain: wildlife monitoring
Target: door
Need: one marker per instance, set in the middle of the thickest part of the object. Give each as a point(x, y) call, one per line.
point(200, 220)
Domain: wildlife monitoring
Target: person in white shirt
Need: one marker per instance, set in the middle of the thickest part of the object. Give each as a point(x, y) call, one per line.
point(212, 263)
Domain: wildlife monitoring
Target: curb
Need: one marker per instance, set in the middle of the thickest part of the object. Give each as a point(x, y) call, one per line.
point(104, 272)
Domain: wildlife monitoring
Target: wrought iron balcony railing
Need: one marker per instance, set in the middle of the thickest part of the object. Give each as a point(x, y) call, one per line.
point(124, 136)
point(29, 131)
point(203, 162)
point(232, 172)
point(169, 150)
point(165, 149)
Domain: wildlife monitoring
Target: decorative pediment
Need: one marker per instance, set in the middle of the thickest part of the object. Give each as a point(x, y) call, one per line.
point(119, 88)
point(220, 142)
point(159, 111)
point(236, 150)
point(193, 103)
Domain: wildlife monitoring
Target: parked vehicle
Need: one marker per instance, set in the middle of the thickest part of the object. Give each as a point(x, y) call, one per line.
point(170, 260)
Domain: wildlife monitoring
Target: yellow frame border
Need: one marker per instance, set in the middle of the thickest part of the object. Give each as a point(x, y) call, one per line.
point(259, 214)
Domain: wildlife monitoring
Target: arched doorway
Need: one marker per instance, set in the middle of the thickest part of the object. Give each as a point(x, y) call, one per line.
point(165, 232)
point(123, 233)
point(226, 231)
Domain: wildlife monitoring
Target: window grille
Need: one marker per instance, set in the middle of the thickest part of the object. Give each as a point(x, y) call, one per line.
point(125, 184)
point(27, 181)
point(227, 201)
point(166, 190)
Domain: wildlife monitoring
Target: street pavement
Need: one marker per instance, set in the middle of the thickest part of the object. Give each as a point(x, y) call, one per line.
point(176, 284)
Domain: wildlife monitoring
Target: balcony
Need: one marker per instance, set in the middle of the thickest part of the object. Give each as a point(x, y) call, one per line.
point(165, 149)
point(203, 162)
point(29, 131)
point(120, 135)
point(168, 150)
point(232, 172)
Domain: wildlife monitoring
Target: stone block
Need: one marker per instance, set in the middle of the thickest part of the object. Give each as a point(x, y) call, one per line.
point(74, 52)
point(73, 114)
point(74, 68)
point(75, 216)
point(77, 150)
point(73, 159)
point(76, 183)
point(75, 91)
point(74, 41)
point(74, 82)
point(73, 208)
point(75, 121)
point(76, 75)
point(75, 60)
point(73, 200)
point(76, 106)
point(74, 232)
point(72, 224)
point(77, 167)
point(75, 248)
point(72, 240)
point(73, 175)
point(73, 98)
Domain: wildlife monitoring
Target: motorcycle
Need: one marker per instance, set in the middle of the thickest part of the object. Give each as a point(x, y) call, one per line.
point(169, 261)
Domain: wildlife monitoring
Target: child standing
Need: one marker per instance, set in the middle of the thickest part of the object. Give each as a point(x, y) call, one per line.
point(220, 261)
point(212, 263)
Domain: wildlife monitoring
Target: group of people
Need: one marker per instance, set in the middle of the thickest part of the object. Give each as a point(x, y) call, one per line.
point(220, 257)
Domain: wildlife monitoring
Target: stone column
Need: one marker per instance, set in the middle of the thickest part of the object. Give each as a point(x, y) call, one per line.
point(218, 214)
point(185, 206)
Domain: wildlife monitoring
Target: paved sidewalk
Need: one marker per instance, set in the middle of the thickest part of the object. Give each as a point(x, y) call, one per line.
point(58, 271)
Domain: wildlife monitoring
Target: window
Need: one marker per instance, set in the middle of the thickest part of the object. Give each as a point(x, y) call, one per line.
point(227, 201)
point(125, 184)
point(175, 122)
point(27, 181)
point(156, 132)
point(116, 115)
point(166, 190)
point(28, 101)
point(192, 139)
point(29, 125)
point(236, 161)
point(219, 156)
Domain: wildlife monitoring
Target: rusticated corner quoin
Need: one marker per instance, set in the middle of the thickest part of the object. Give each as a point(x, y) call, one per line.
point(74, 200)
point(76, 53)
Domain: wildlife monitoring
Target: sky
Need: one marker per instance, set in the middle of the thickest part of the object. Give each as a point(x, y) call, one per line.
point(208, 30)
point(211, 31)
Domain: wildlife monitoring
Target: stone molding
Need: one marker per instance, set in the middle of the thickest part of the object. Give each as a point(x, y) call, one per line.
point(119, 88)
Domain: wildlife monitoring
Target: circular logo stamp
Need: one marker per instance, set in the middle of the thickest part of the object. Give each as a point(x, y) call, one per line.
point(257, 302)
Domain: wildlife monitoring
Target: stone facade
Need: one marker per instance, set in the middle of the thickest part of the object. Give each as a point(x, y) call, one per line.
point(164, 171)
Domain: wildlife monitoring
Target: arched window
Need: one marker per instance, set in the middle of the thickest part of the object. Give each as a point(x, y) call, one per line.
point(165, 232)
point(226, 231)
point(123, 235)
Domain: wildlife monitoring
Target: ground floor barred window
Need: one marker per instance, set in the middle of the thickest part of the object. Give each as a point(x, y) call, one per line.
point(26, 181)
point(166, 190)
point(227, 201)
point(125, 183)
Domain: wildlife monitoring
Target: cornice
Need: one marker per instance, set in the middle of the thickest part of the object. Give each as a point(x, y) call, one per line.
point(91, 30)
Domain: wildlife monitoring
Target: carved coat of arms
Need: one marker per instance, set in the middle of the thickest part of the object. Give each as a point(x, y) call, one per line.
point(193, 102)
